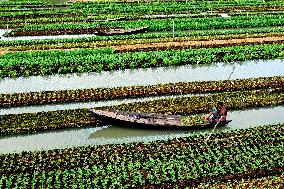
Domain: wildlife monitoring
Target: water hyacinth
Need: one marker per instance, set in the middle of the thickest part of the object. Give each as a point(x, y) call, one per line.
point(81, 95)
point(192, 120)
point(97, 60)
point(228, 157)
point(31, 122)
point(154, 25)
point(35, 122)
point(196, 104)
point(161, 164)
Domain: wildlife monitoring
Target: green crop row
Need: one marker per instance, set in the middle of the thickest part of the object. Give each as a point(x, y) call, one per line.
point(263, 182)
point(15, 17)
point(153, 25)
point(176, 163)
point(11, 10)
point(196, 104)
point(53, 19)
point(15, 21)
point(105, 41)
point(36, 122)
point(84, 11)
point(37, 4)
point(87, 11)
point(156, 6)
point(35, 15)
point(80, 95)
point(28, 13)
point(173, 6)
point(50, 62)
point(152, 7)
point(22, 2)
point(32, 122)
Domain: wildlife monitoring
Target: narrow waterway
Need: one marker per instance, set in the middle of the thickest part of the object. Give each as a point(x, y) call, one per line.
point(118, 134)
point(149, 76)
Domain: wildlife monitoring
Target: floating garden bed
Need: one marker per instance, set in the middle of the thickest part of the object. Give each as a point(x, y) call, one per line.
point(154, 25)
point(36, 122)
point(143, 38)
point(162, 164)
point(97, 60)
point(81, 95)
point(32, 122)
point(189, 105)
point(231, 159)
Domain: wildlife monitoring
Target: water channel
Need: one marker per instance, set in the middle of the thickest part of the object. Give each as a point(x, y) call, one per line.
point(118, 134)
point(148, 76)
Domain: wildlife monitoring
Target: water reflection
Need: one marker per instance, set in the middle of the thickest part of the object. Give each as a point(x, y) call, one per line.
point(146, 76)
point(118, 134)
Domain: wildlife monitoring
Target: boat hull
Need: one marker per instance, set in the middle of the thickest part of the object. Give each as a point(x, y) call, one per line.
point(104, 32)
point(147, 120)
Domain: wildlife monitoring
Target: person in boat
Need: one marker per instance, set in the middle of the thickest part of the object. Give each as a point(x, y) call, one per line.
point(217, 114)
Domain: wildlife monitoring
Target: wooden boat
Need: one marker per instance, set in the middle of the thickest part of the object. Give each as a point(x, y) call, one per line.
point(146, 120)
point(120, 31)
point(91, 19)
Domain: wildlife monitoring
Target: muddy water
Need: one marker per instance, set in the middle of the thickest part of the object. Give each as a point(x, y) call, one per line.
point(149, 76)
point(119, 134)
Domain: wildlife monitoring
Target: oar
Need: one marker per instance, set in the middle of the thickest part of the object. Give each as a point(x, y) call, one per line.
point(221, 116)
point(214, 128)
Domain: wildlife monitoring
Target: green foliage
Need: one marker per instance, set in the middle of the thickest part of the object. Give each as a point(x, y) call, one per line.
point(162, 164)
point(34, 122)
point(102, 41)
point(18, 64)
point(195, 104)
point(154, 25)
point(80, 95)
point(31, 122)
point(172, 6)
point(192, 120)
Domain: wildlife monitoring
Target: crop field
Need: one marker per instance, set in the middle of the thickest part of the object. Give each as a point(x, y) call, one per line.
point(47, 39)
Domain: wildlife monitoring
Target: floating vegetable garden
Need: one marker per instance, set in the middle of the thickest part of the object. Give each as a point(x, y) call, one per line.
point(97, 60)
point(143, 38)
point(189, 105)
point(162, 164)
point(154, 25)
point(193, 120)
point(178, 33)
point(79, 95)
point(34, 122)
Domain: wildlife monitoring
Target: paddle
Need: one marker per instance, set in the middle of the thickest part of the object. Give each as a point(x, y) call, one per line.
point(214, 128)
point(221, 116)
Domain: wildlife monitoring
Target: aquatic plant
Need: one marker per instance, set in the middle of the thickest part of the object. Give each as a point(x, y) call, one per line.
point(172, 163)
